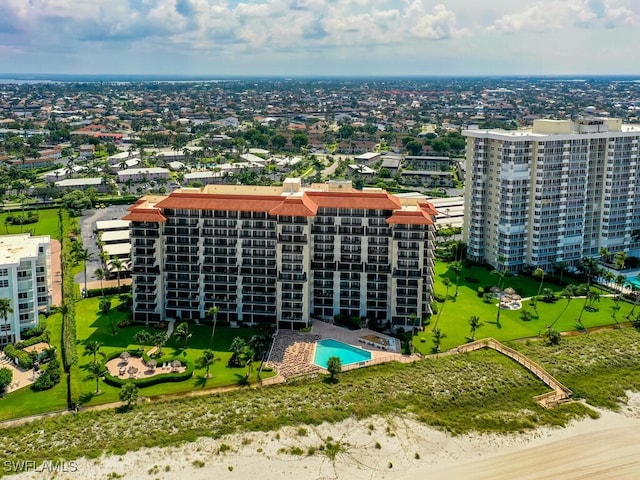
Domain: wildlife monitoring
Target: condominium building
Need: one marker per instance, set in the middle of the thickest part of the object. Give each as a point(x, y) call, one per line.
point(555, 193)
point(285, 254)
point(25, 279)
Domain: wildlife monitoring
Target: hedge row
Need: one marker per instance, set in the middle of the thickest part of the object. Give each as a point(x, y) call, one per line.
point(148, 381)
point(69, 352)
point(43, 337)
point(98, 292)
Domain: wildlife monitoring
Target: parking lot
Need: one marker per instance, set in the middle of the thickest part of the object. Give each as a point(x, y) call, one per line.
point(87, 226)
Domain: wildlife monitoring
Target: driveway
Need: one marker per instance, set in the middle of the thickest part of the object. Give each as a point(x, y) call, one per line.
point(87, 226)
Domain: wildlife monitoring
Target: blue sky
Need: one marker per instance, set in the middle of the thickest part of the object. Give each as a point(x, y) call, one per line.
point(320, 37)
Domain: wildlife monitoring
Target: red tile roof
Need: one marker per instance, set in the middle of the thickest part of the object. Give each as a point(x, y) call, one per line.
point(428, 208)
point(204, 201)
point(415, 217)
point(296, 207)
point(357, 200)
point(145, 215)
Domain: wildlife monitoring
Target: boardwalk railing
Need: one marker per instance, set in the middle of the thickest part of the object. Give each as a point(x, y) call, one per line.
point(559, 392)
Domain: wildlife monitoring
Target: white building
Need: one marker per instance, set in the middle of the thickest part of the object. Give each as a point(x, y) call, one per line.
point(140, 174)
point(123, 157)
point(26, 280)
point(555, 193)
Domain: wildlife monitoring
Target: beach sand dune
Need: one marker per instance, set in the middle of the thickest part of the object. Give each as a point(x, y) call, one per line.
point(393, 449)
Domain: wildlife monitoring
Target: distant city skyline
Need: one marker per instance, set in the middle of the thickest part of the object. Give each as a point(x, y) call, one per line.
point(320, 37)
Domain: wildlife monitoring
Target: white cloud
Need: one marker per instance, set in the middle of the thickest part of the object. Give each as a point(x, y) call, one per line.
point(438, 24)
point(290, 29)
point(563, 14)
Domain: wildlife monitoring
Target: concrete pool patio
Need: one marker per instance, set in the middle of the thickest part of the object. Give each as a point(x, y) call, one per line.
point(293, 352)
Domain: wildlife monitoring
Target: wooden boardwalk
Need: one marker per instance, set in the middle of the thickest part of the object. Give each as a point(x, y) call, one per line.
point(558, 394)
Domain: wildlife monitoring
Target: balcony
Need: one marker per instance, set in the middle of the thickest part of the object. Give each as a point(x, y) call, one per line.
point(397, 272)
point(282, 238)
point(292, 277)
point(323, 266)
point(350, 267)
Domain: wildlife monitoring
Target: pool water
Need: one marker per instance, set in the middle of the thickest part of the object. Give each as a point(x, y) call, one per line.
point(346, 353)
point(633, 281)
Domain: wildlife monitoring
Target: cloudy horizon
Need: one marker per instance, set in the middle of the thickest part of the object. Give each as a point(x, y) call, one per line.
point(320, 37)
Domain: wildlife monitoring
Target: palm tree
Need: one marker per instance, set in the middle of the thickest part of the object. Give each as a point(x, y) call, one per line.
point(96, 369)
point(447, 283)
point(206, 360)
point(457, 267)
point(608, 276)
point(568, 293)
point(474, 324)
point(590, 268)
point(636, 294)
point(538, 273)
point(182, 332)
point(129, 393)
point(605, 254)
point(159, 340)
point(502, 274)
point(561, 267)
point(5, 310)
point(116, 264)
point(590, 297)
point(105, 309)
point(99, 274)
point(213, 313)
point(437, 340)
point(93, 348)
point(84, 256)
point(619, 260)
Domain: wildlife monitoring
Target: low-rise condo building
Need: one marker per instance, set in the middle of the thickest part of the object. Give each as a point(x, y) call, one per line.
point(25, 279)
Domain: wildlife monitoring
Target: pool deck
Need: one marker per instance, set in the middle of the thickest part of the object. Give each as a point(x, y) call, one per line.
point(293, 353)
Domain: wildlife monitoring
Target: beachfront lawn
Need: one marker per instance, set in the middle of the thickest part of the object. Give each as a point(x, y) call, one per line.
point(24, 402)
point(48, 223)
point(95, 326)
point(453, 316)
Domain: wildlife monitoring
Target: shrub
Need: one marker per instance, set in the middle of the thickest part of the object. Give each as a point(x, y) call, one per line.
point(49, 377)
point(30, 218)
point(97, 292)
point(438, 297)
point(6, 376)
point(480, 292)
point(33, 332)
point(43, 337)
point(25, 360)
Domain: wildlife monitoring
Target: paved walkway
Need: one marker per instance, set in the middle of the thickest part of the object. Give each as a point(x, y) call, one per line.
point(21, 377)
point(56, 272)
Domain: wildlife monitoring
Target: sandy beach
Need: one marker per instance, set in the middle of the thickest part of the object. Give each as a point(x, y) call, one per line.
point(390, 448)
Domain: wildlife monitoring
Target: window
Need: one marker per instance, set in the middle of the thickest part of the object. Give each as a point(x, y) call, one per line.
point(4, 272)
point(4, 283)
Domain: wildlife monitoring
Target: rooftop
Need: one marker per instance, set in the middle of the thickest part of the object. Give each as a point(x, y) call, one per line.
point(13, 248)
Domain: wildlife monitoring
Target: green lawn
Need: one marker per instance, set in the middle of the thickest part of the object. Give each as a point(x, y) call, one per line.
point(24, 402)
point(94, 326)
point(456, 311)
point(48, 224)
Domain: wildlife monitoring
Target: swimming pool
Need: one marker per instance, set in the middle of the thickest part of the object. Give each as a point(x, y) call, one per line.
point(635, 281)
point(346, 353)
